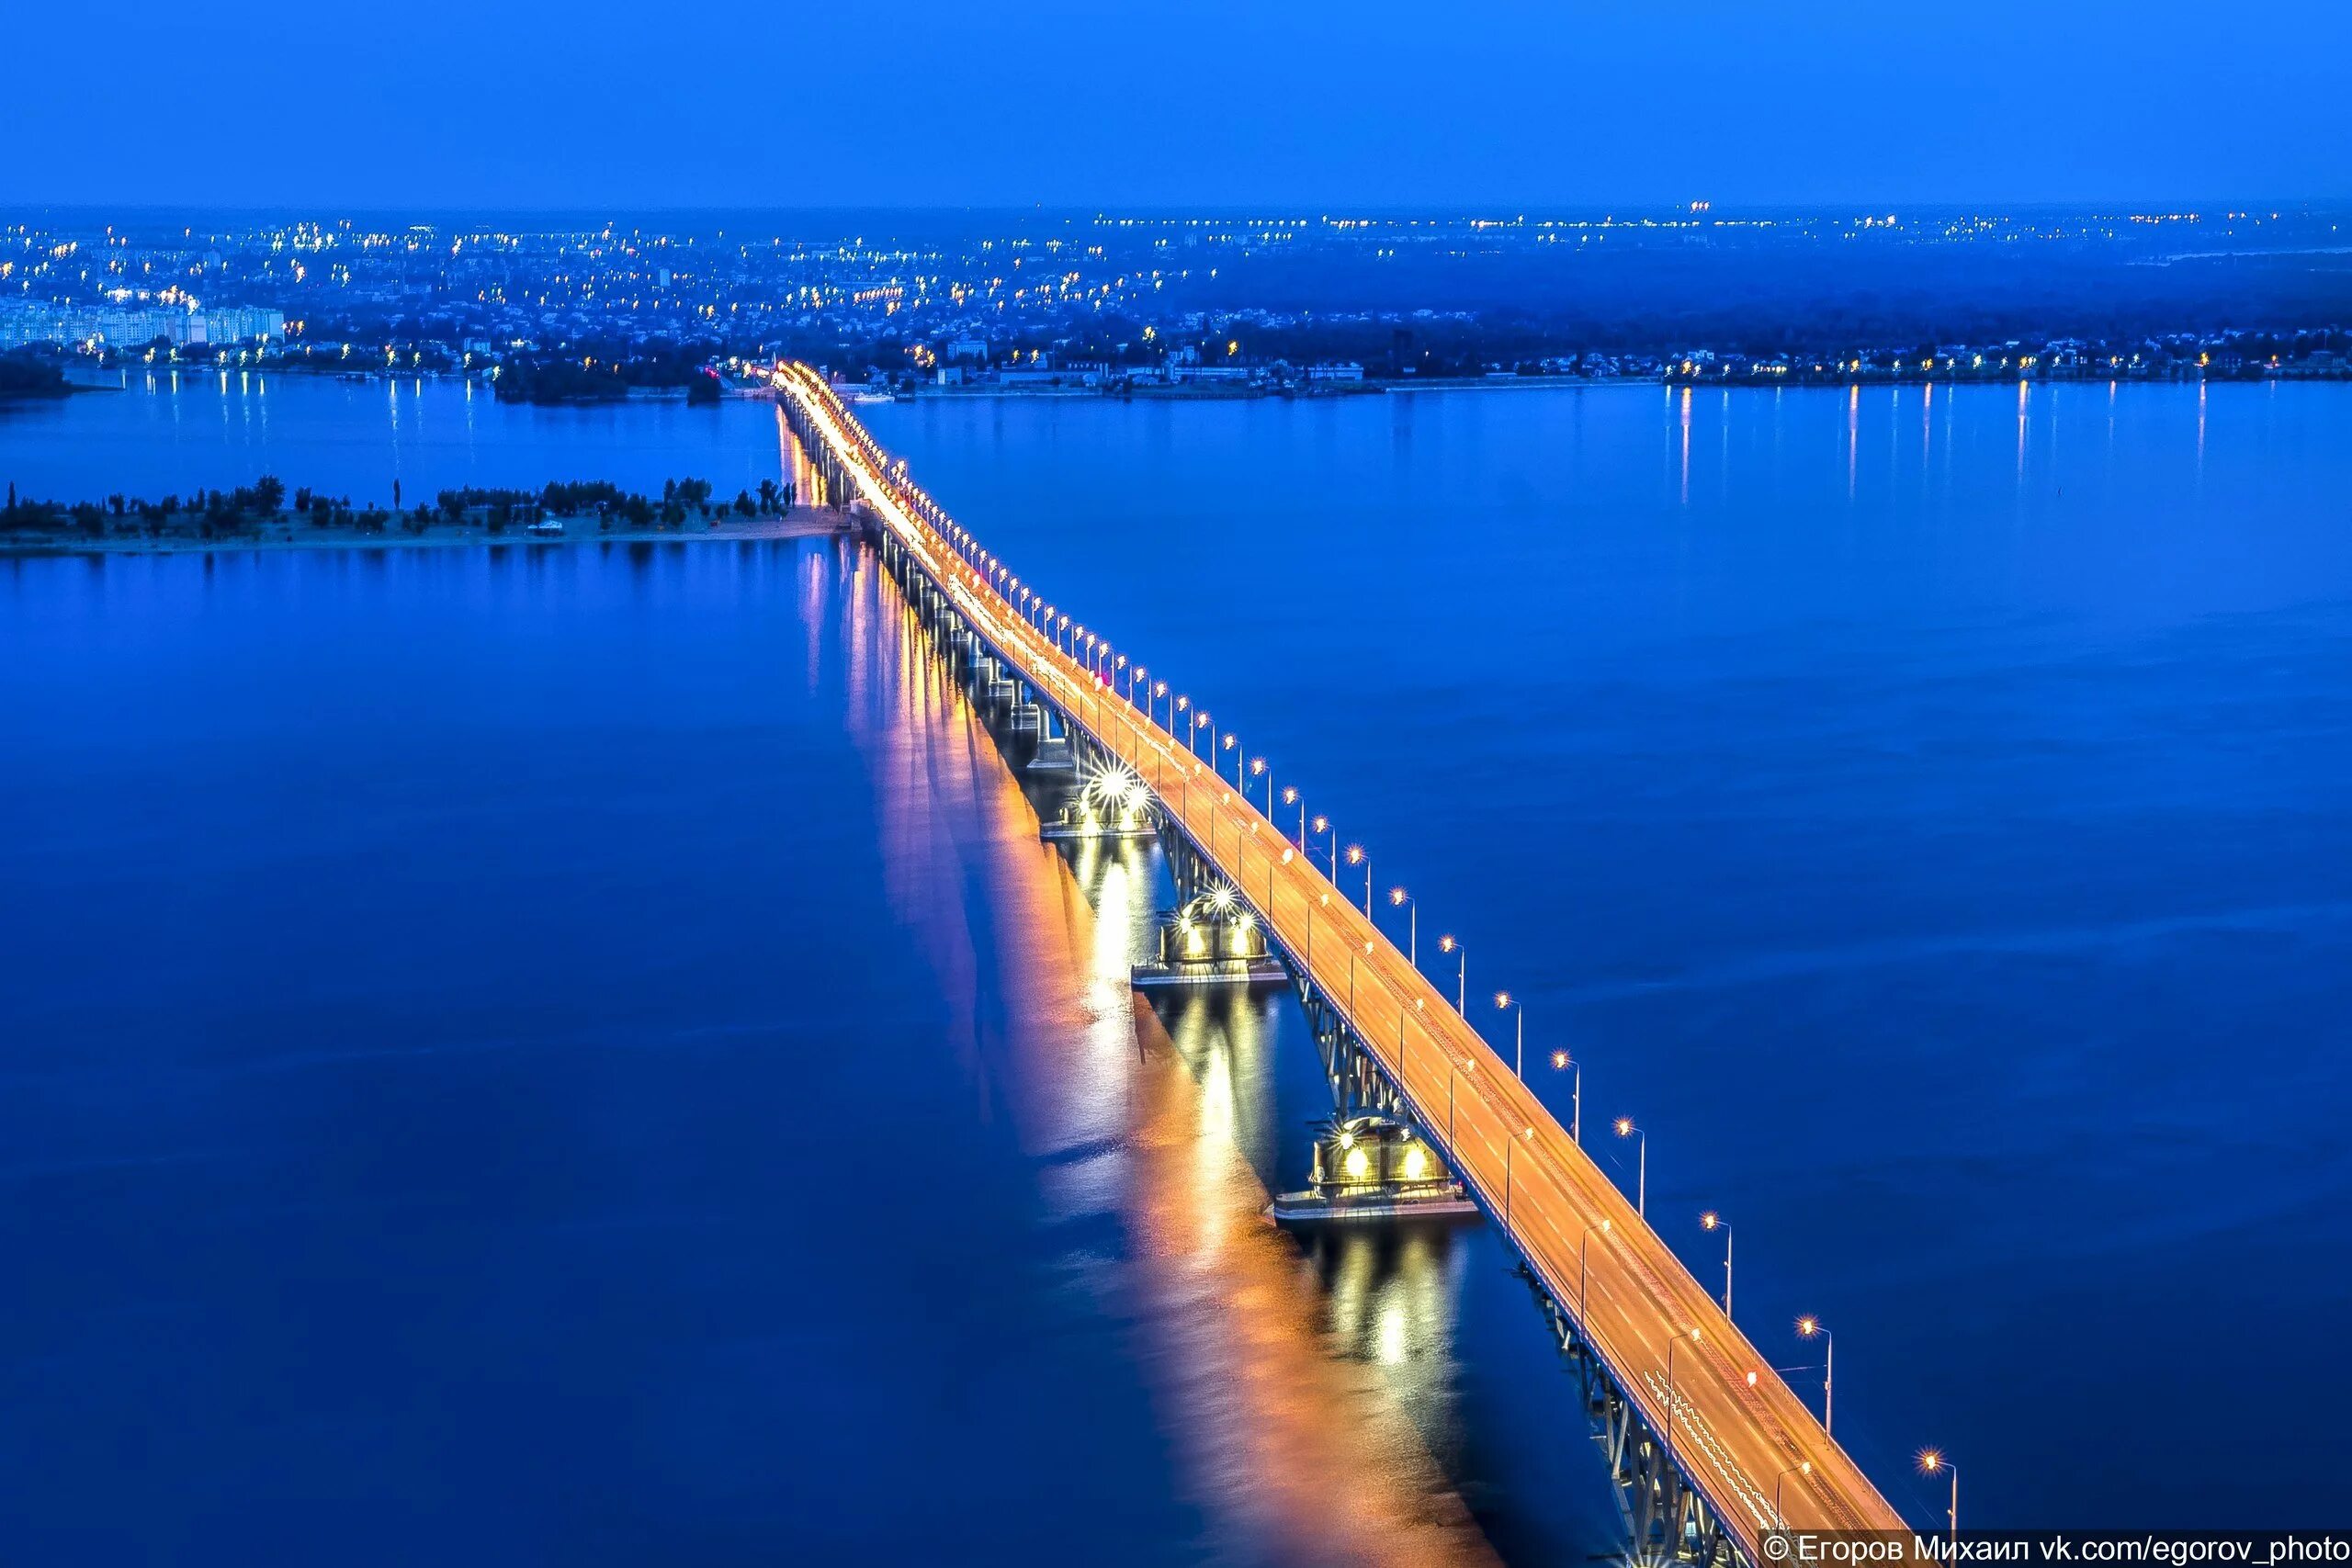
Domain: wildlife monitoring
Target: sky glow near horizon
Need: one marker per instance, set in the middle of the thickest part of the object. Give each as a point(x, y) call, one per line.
point(1307, 107)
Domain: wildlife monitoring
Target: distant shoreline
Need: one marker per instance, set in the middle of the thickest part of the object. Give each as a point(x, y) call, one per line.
point(801, 522)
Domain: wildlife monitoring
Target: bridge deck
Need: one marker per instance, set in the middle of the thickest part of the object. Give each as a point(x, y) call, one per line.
point(1737, 1429)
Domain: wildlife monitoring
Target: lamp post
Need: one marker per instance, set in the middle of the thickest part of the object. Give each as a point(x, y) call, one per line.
point(1808, 1327)
point(1564, 1062)
point(1710, 1221)
point(1292, 797)
point(1258, 767)
point(1583, 1279)
point(1357, 857)
point(1461, 973)
point(1193, 737)
point(1399, 898)
point(1504, 1001)
point(1323, 826)
point(1233, 744)
point(1932, 1462)
point(1626, 1129)
point(1803, 1466)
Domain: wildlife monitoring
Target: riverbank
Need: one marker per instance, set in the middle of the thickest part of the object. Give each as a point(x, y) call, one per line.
point(800, 523)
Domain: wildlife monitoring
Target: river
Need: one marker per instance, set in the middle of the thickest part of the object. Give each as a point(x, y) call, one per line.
point(581, 1049)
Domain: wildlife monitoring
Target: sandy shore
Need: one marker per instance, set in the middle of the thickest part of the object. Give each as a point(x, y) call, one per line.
point(801, 522)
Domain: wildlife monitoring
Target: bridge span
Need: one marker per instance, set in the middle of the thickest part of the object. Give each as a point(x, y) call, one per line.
point(1710, 1448)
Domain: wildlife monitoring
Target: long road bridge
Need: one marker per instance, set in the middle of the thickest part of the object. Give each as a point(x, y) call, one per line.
point(1710, 1450)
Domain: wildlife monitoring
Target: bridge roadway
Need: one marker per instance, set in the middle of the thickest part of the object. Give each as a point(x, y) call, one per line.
point(1735, 1428)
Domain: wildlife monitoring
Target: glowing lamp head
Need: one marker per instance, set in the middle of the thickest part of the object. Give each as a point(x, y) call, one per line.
point(1930, 1461)
point(1322, 824)
point(1808, 1326)
point(1751, 1380)
point(1502, 1000)
point(1709, 1221)
point(1399, 896)
point(1228, 743)
point(1559, 1061)
point(1355, 854)
point(1257, 766)
point(1159, 688)
point(1290, 794)
point(1447, 944)
point(1624, 1126)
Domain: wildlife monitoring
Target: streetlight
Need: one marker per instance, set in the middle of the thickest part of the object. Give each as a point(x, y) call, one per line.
point(1626, 1129)
point(1932, 1462)
point(1564, 1062)
point(1192, 738)
point(1505, 1001)
point(1257, 766)
point(1710, 1221)
point(1808, 1326)
point(1291, 797)
point(1232, 743)
point(1399, 898)
point(1584, 1280)
point(1357, 857)
point(1802, 1467)
point(1461, 973)
point(1323, 826)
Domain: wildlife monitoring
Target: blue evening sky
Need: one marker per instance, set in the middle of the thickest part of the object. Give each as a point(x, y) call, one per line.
point(1287, 103)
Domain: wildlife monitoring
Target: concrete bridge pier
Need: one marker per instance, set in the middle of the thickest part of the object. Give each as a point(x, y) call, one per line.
point(1056, 751)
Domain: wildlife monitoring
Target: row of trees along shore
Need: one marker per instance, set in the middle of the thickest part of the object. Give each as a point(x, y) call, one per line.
point(249, 509)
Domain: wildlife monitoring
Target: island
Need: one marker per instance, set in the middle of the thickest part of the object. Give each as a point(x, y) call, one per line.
point(263, 515)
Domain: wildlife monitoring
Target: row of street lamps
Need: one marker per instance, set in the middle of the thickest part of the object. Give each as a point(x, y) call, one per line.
point(1134, 684)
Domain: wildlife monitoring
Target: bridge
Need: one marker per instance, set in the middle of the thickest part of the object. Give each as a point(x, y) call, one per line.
point(1711, 1450)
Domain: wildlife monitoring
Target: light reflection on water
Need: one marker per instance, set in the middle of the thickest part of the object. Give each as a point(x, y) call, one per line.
point(1297, 1384)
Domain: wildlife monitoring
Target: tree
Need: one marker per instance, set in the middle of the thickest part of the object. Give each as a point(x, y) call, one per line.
point(270, 492)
